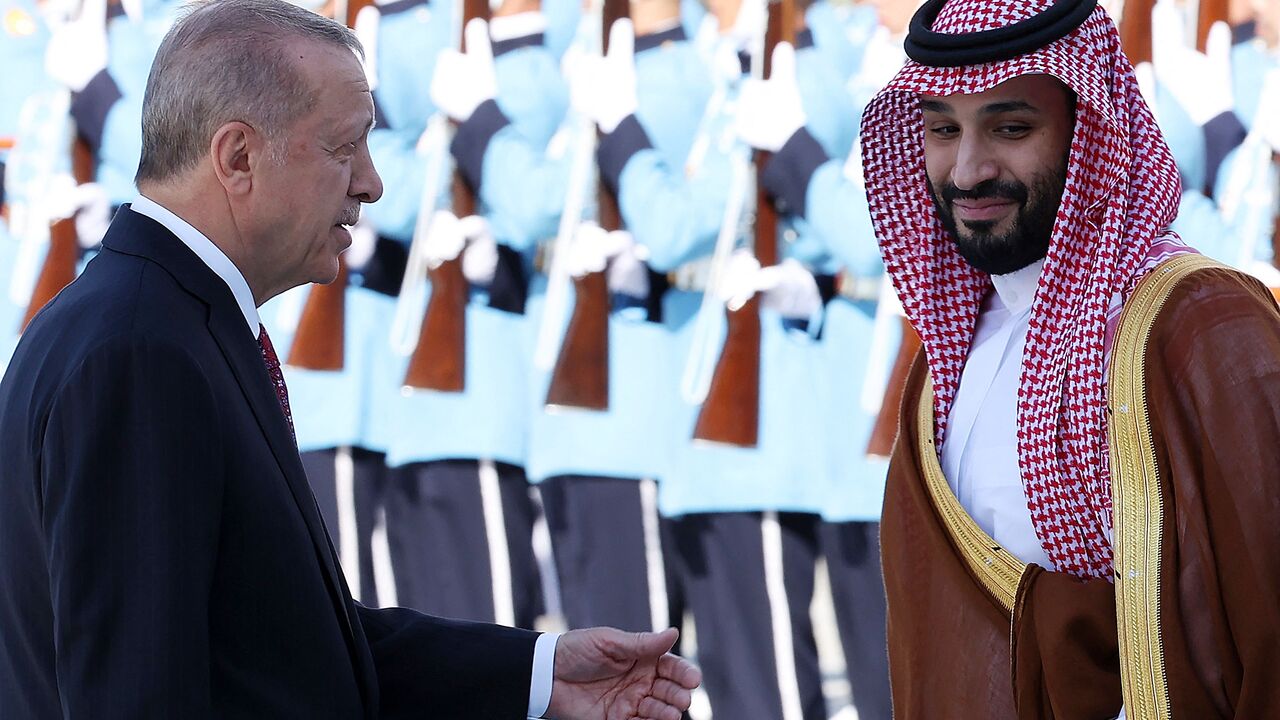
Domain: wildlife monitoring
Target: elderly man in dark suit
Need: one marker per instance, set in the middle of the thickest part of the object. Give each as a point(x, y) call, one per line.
point(161, 555)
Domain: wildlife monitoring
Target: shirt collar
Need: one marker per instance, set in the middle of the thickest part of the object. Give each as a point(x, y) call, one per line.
point(1018, 288)
point(209, 254)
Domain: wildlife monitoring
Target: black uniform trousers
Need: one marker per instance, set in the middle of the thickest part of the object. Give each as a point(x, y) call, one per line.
point(746, 574)
point(439, 529)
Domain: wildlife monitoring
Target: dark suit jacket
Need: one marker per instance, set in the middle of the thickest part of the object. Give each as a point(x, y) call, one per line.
point(161, 555)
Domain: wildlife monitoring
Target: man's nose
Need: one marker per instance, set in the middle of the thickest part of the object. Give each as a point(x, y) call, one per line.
point(975, 163)
point(366, 185)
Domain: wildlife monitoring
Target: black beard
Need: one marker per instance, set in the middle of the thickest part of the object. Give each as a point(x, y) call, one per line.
point(1025, 242)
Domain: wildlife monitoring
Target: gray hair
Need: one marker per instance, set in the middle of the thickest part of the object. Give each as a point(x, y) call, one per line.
point(224, 61)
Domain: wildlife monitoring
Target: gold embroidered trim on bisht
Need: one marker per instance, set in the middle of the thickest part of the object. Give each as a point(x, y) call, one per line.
point(1138, 505)
point(995, 568)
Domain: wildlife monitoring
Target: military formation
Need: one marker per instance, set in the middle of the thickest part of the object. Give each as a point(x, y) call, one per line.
point(615, 347)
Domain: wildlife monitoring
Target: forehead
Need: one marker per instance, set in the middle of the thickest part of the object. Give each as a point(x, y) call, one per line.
point(1039, 92)
point(336, 79)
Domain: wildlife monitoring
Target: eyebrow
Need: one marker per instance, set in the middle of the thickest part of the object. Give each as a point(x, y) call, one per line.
point(991, 109)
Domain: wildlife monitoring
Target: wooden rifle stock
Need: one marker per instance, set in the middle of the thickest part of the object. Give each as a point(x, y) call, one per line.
point(730, 414)
point(885, 431)
point(439, 361)
point(1210, 12)
point(1135, 30)
point(318, 341)
point(59, 267)
point(580, 378)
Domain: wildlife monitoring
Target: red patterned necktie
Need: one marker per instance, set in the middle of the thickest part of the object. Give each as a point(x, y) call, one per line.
point(277, 377)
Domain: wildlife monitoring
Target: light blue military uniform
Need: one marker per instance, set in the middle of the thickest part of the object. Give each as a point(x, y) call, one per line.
point(23, 38)
point(589, 461)
point(108, 111)
point(832, 205)
point(441, 441)
point(717, 492)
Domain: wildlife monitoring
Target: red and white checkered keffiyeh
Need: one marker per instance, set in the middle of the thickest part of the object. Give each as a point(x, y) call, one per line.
point(1121, 194)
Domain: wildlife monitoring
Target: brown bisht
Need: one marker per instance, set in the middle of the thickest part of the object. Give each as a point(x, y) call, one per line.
point(1191, 626)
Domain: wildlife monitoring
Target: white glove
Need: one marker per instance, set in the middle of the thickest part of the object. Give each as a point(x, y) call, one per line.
point(364, 240)
point(593, 247)
point(1200, 82)
point(368, 20)
point(93, 214)
point(790, 290)
point(748, 27)
point(480, 261)
point(77, 48)
point(604, 88)
point(770, 111)
point(1265, 120)
point(627, 274)
point(464, 80)
point(741, 280)
point(444, 238)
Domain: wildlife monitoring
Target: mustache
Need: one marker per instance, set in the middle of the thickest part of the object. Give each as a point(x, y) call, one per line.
point(986, 190)
point(350, 216)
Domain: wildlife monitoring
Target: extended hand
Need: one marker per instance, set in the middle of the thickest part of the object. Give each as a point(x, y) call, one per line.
point(608, 674)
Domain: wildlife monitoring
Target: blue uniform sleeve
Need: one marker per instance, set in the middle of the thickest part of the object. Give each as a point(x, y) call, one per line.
point(691, 208)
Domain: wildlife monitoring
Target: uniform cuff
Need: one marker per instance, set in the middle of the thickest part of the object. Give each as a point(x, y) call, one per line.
point(617, 147)
point(786, 176)
point(544, 666)
point(472, 139)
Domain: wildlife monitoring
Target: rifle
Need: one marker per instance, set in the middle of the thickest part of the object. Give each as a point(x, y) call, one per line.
point(439, 360)
point(581, 375)
point(731, 413)
point(885, 430)
point(318, 341)
point(1209, 12)
point(59, 267)
point(1135, 30)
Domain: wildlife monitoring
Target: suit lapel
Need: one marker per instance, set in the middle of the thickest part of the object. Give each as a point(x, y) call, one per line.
point(135, 234)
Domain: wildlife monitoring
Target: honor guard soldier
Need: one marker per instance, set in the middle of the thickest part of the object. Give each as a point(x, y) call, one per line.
point(460, 507)
point(861, 334)
point(600, 449)
point(746, 528)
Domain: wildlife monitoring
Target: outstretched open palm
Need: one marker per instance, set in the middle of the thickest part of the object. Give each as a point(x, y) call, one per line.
point(608, 674)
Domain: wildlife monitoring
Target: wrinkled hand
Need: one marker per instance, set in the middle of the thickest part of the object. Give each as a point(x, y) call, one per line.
point(604, 88)
point(608, 674)
point(462, 81)
point(770, 111)
point(77, 48)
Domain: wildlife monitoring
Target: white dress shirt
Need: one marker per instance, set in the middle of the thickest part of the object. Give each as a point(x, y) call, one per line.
point(544, 649)
point(980, 452)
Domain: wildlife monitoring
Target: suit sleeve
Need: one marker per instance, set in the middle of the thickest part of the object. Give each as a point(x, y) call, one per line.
point(131, 487)
point(457, 670)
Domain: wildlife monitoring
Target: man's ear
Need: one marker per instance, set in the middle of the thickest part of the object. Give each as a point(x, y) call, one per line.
point(236, 149)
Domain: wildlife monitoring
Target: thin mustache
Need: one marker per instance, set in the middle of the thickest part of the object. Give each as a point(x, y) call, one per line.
point(350, 217)
point(985, 191)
